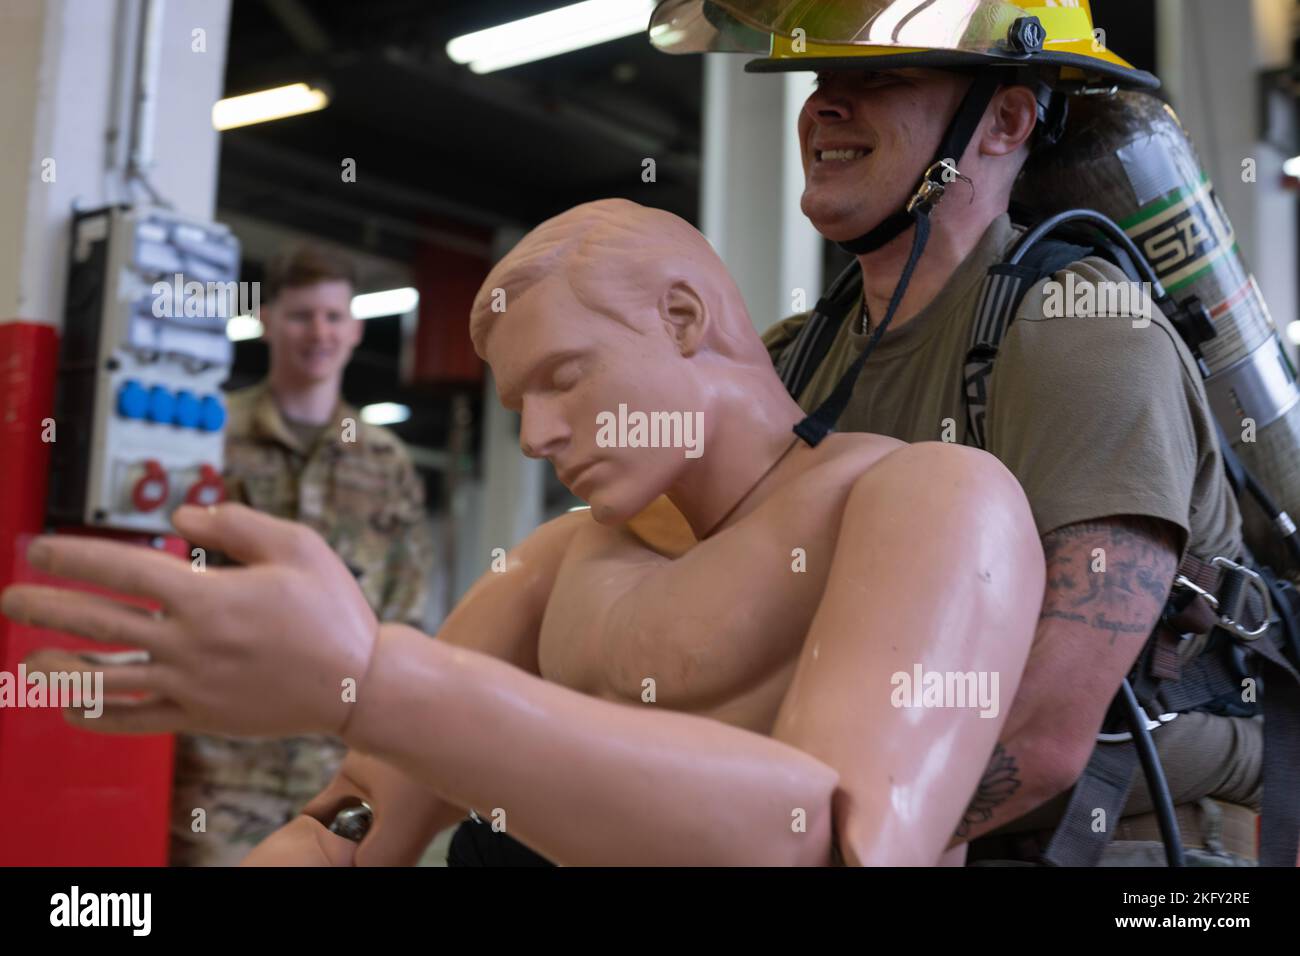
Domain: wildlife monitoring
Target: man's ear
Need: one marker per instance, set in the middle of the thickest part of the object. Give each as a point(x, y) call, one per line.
point(685, 316)
point(1015, 113)
point(265, 315)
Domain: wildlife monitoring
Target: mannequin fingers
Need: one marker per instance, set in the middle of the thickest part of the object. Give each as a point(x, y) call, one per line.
point(86, 615)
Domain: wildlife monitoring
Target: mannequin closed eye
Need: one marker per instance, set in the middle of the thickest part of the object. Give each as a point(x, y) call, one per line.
point(553, 373)
point(566, 375)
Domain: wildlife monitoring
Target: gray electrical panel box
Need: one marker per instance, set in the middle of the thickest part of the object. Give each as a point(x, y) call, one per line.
point(139, 411)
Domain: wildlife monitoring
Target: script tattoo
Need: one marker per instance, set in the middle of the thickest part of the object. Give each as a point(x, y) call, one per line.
point(1001, 779)
point(1125, 598)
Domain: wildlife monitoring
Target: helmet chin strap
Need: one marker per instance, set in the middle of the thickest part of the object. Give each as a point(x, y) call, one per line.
point(940, 172)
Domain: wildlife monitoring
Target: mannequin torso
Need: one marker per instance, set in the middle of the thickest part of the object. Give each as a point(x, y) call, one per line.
point(623, 612)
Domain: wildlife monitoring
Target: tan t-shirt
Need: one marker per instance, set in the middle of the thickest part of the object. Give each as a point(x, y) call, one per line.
point(1094, 416)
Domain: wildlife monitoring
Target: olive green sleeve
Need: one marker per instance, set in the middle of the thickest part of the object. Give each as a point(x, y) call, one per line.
point(1096, 416)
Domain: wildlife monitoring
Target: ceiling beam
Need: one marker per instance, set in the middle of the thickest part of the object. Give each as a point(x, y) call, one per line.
point(301, 25)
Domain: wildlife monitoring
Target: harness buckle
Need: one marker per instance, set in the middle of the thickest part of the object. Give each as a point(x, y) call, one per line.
point(1183, 581)
point(1228, 617)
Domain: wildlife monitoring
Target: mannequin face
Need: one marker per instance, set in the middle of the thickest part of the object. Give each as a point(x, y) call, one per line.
point(561, 365)
point(891, 122)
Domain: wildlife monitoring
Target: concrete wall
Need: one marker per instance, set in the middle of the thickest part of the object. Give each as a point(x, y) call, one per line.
point(67, 69)
point(752, 179)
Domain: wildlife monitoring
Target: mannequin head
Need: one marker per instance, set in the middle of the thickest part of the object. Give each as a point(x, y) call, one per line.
point(614, 304)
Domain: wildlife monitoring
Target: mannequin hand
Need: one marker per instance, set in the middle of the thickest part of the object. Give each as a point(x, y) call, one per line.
point(271, 648)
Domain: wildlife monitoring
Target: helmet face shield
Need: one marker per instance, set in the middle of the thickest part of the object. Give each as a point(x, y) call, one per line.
point(971, 26)
point(889, 34)
point(691, 26)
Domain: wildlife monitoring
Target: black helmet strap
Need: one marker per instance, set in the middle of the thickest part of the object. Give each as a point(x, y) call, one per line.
point(821, 422)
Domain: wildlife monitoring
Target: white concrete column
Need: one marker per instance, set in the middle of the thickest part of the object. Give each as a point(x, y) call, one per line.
point(512, 484)
point(1210, 55)
point(751, 182)
point(68, 67)
point(509, 503)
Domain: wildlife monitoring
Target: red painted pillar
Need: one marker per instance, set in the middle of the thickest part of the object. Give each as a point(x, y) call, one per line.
point(447, 280)
point(67, 797)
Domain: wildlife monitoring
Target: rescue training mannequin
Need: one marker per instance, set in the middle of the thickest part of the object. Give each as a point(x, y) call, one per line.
point(616, 693)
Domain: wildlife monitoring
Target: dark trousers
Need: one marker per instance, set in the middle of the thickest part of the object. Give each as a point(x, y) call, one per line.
point(475, 843)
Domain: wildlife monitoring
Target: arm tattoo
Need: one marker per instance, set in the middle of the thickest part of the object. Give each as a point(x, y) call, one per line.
point(1001, 779)
point(1141, 555)
point(1125, 594)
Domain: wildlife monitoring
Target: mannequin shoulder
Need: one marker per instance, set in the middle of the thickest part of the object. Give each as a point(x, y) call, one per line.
point(947, 508)
point(944, 473)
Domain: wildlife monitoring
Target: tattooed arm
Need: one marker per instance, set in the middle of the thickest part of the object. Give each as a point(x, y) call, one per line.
point(1093, 624)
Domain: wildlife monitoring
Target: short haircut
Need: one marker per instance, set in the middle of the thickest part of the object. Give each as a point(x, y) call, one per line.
point(303, 265)
point(610, 243)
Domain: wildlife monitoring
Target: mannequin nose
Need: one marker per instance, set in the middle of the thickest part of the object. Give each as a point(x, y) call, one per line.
point(541, 432)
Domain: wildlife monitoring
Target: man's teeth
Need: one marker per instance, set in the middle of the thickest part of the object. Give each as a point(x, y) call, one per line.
point(842, 155)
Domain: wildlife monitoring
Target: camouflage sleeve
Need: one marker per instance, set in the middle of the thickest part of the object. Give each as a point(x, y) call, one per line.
point(410, 554)
point(777, 338)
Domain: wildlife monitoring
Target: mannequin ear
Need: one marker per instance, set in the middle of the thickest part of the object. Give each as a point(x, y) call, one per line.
point(685, 316)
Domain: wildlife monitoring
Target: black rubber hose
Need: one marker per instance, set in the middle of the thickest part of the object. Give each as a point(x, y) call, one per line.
point(1107, 226)
point(1155, 774)
point(1273, 511)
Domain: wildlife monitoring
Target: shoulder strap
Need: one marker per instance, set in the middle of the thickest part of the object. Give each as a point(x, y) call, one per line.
point(800, 361)
point(1004, 288)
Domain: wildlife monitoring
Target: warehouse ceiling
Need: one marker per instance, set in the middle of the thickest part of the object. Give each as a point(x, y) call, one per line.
point(436, 144)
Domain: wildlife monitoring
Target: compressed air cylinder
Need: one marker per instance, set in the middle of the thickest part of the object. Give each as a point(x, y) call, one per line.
point(1127, 156)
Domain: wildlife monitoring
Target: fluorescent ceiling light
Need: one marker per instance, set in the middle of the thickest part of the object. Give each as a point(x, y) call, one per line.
point(1292, 167)
point(266, 105)
point(243, 327)
point(372, 305)
point(551, 34)
point(385, 413)
point(1293, 333)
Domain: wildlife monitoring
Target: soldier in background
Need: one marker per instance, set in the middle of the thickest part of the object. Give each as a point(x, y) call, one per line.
point(296, 450)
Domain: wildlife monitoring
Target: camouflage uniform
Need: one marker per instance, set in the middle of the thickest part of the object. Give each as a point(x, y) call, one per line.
point(357, 488)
